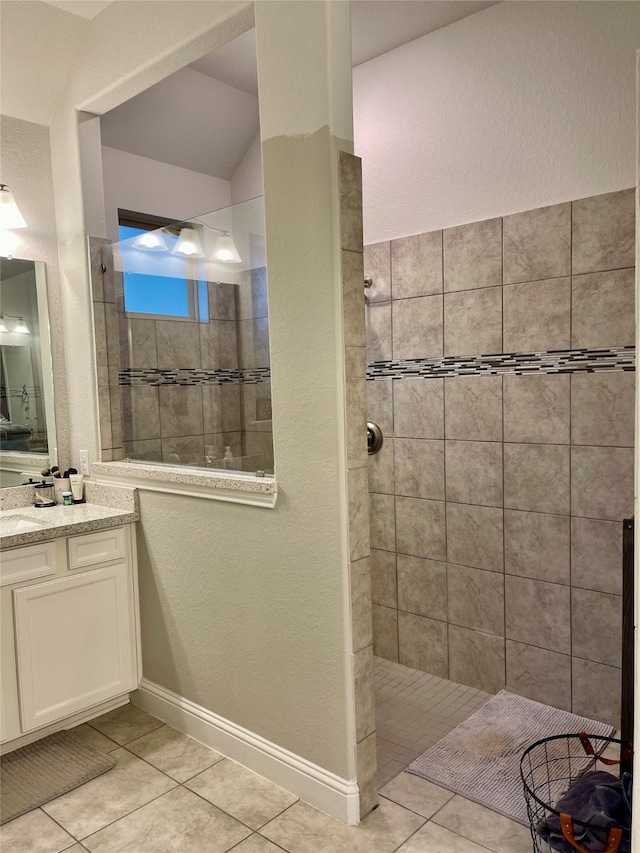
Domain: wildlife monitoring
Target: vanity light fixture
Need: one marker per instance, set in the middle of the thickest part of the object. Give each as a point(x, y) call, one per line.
point(10, 216)
point(151, 241)
point(3, 325)
point(8, 244)
point(21, 327)
point(225, 249)
point(188, 244)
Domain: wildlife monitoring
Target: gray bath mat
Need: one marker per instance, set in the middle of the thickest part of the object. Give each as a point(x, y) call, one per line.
point(480, 758)
point(40, 772)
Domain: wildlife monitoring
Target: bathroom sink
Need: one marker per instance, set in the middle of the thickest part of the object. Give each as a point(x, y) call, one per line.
point(18, 524)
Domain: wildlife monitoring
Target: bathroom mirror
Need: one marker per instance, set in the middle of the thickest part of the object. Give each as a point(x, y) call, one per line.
point(27, 423)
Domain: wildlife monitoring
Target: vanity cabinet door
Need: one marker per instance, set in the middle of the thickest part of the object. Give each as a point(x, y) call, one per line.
point(73, 643)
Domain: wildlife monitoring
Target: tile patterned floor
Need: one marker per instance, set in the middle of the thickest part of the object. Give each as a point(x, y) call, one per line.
point(170, 794)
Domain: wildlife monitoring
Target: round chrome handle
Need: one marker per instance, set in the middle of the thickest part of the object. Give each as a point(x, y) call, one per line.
point(374, 437)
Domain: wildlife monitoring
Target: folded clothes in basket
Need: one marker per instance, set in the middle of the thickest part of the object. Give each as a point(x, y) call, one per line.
point(599, 799)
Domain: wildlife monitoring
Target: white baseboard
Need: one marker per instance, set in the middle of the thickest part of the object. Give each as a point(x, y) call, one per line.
point(312, 784)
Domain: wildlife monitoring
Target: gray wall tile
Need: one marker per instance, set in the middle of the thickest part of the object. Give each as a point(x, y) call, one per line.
point(539, 674)
point(596, 626)
point(473, 255)
point(596, 691)
point(603, 408)
point(537, 545)
point(141, 343)
point(380, 464)
point(383, 524)
point(423, 644)
point(385, 632)
point(475, 599)
point(537, 316)
point(538, 613)
point(353, 305)
point(473, 322)
point(596, 555)
point(603, 309)
point(377, 264)
point(422, 587)
point(536, 477)
point(416, 265)
point(417, 327)
point(367, 768)
point(602, 482)
point(604, 232)
point(180, 411)
point(537, 243)
point(177, 344)
point(183, 450)
point(419, 408)
point(537, 409)
point(350, 181)
point(362, 631)
point(475, 536)
point(473, 407)
point(363, 678)
point(383, 578)
point(420, 526)
point(359, 532)
point(419, 468)
point(474, 472)
point(356, 407)
point(380, 405)
point(378, 325)
point(476, 659)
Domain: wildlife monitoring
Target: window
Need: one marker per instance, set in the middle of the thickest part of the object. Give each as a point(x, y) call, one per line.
point(159, 290)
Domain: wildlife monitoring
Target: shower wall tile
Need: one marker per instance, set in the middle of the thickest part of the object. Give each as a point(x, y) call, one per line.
point(537, 243)
point(537, 545)
point(418, 408)
point(529, 671)
point(150, 449)
point(383, 524)
point(380, 405)
point(596, 626)
point(350, 183)
point(473, 255)
point(604, 232)
point(223, 306)
point(473, 322)
point(475, 599)
point(378, 324)
point(385, 632)
point(96, 246)
point(363, 679)
point(104, 414)
point(422, 587)
point(361, 613)
point(538, 613)
point(537, 409)
point(381, 472)
point(181, 412)
point(417, 327)
point(356, 405)
point(537, 316)
point(536, 478)
point(603, 309)
point(384, 590)
point(596, 691)
point(113, 334)
point(473, 408)
point(377, 265)
point(352, 299)
point(100, 334)
point(422, 644)
point(183, 450)
point(474, 472)
point(142, 349)
point(358, 490)
point(416, 265)
point(602, 482)
point(475, 536)
point(420, 528)
point(602, 408)
point(419, 468)
point(596, 555)
point(141, 413)
point(253, 337)
point(367, 769)
point(476, 659)
point(177, 344)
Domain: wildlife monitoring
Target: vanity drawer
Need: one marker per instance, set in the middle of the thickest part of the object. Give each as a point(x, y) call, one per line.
point(23, 564)
point(104, 546)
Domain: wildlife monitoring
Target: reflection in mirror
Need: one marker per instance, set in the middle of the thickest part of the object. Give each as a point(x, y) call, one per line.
point(27, 429)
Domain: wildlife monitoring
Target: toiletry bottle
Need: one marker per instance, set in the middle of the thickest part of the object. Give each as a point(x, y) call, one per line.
point(227, 462)
point(77, 485)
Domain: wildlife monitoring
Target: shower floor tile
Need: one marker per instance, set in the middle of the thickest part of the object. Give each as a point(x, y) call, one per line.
point(414, 710)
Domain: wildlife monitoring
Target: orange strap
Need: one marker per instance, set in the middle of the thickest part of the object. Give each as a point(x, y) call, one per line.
point(613, 841)
point(627, 753)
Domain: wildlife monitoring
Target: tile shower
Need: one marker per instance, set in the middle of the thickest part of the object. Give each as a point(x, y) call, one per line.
point(501, 370)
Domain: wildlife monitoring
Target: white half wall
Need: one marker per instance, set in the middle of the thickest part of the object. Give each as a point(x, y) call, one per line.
point(518, 106)
point(137, 183)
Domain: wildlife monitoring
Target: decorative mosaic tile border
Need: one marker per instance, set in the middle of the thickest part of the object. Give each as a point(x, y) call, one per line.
point(504, 364)
point(192, 376)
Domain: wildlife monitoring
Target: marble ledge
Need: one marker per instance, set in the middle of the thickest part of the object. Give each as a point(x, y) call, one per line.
point(58, 521)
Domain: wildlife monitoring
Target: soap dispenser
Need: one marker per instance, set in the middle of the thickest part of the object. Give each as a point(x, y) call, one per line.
point(227, 462)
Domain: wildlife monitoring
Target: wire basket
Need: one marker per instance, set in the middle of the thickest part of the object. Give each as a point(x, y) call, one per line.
point(548, 768)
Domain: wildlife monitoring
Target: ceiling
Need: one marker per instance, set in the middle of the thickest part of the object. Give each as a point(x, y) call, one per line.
point(152, 123)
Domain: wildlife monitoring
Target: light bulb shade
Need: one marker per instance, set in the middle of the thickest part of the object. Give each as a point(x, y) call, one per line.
point(21, 327)
point(188, 244)
point(3, 325)
point(10, 216)
point(8, 244)
point(151, 241)
point(225, 250)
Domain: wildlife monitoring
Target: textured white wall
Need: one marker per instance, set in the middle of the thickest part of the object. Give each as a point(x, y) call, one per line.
point(246, 182)
point(148, 186)
point(518, 106)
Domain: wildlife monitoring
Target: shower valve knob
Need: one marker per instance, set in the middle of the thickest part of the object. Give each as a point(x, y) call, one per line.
point(374, 437)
